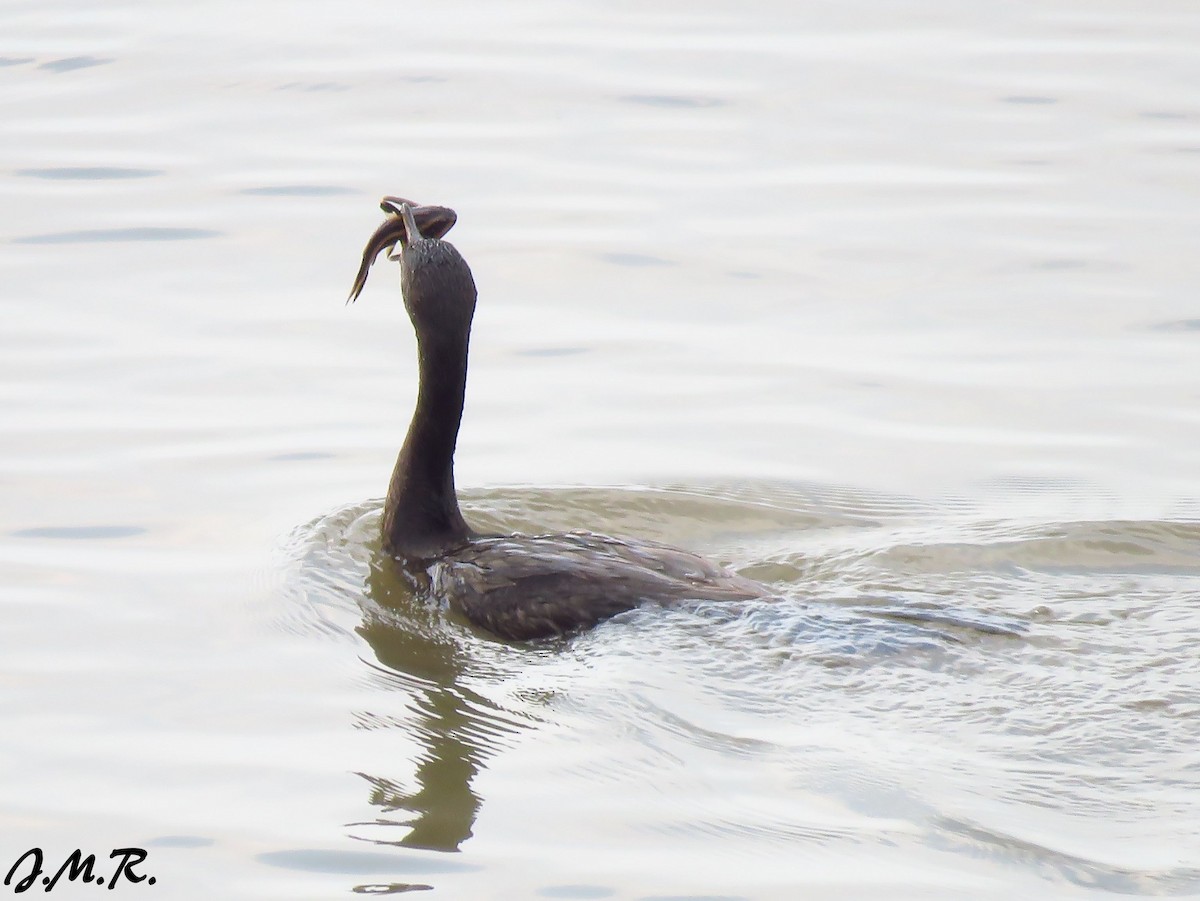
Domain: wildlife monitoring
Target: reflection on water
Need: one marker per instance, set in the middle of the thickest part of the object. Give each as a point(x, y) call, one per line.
point(898, 299)
point(452, 724)
point(967, 638)
point(419, 652)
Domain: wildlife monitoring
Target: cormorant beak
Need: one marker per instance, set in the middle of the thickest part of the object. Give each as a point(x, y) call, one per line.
point(412, 231)
point(431, 221)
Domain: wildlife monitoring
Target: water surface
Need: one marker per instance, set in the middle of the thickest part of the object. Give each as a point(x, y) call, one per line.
point(890, 307)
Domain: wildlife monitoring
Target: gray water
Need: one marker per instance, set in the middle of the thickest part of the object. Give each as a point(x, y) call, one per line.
point(890, 306)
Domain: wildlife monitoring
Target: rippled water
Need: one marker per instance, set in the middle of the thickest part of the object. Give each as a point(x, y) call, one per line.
point(890, 307)
point(928, 681)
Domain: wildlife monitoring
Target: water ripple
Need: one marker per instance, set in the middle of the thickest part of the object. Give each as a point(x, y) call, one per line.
point(107, 235)
point(914, 656)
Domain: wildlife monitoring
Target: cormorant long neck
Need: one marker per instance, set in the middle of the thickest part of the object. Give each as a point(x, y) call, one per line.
point(421, 518)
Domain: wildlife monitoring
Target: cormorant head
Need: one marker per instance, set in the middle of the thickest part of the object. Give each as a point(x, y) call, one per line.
point(439, 291)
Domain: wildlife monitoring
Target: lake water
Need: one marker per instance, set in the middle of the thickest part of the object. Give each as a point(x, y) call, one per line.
point(893, 306)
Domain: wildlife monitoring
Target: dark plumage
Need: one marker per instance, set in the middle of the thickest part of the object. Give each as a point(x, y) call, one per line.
point(522, 586)
point(515, 586)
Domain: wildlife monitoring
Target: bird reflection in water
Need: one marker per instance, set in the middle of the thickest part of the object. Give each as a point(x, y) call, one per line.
point(430, 659)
